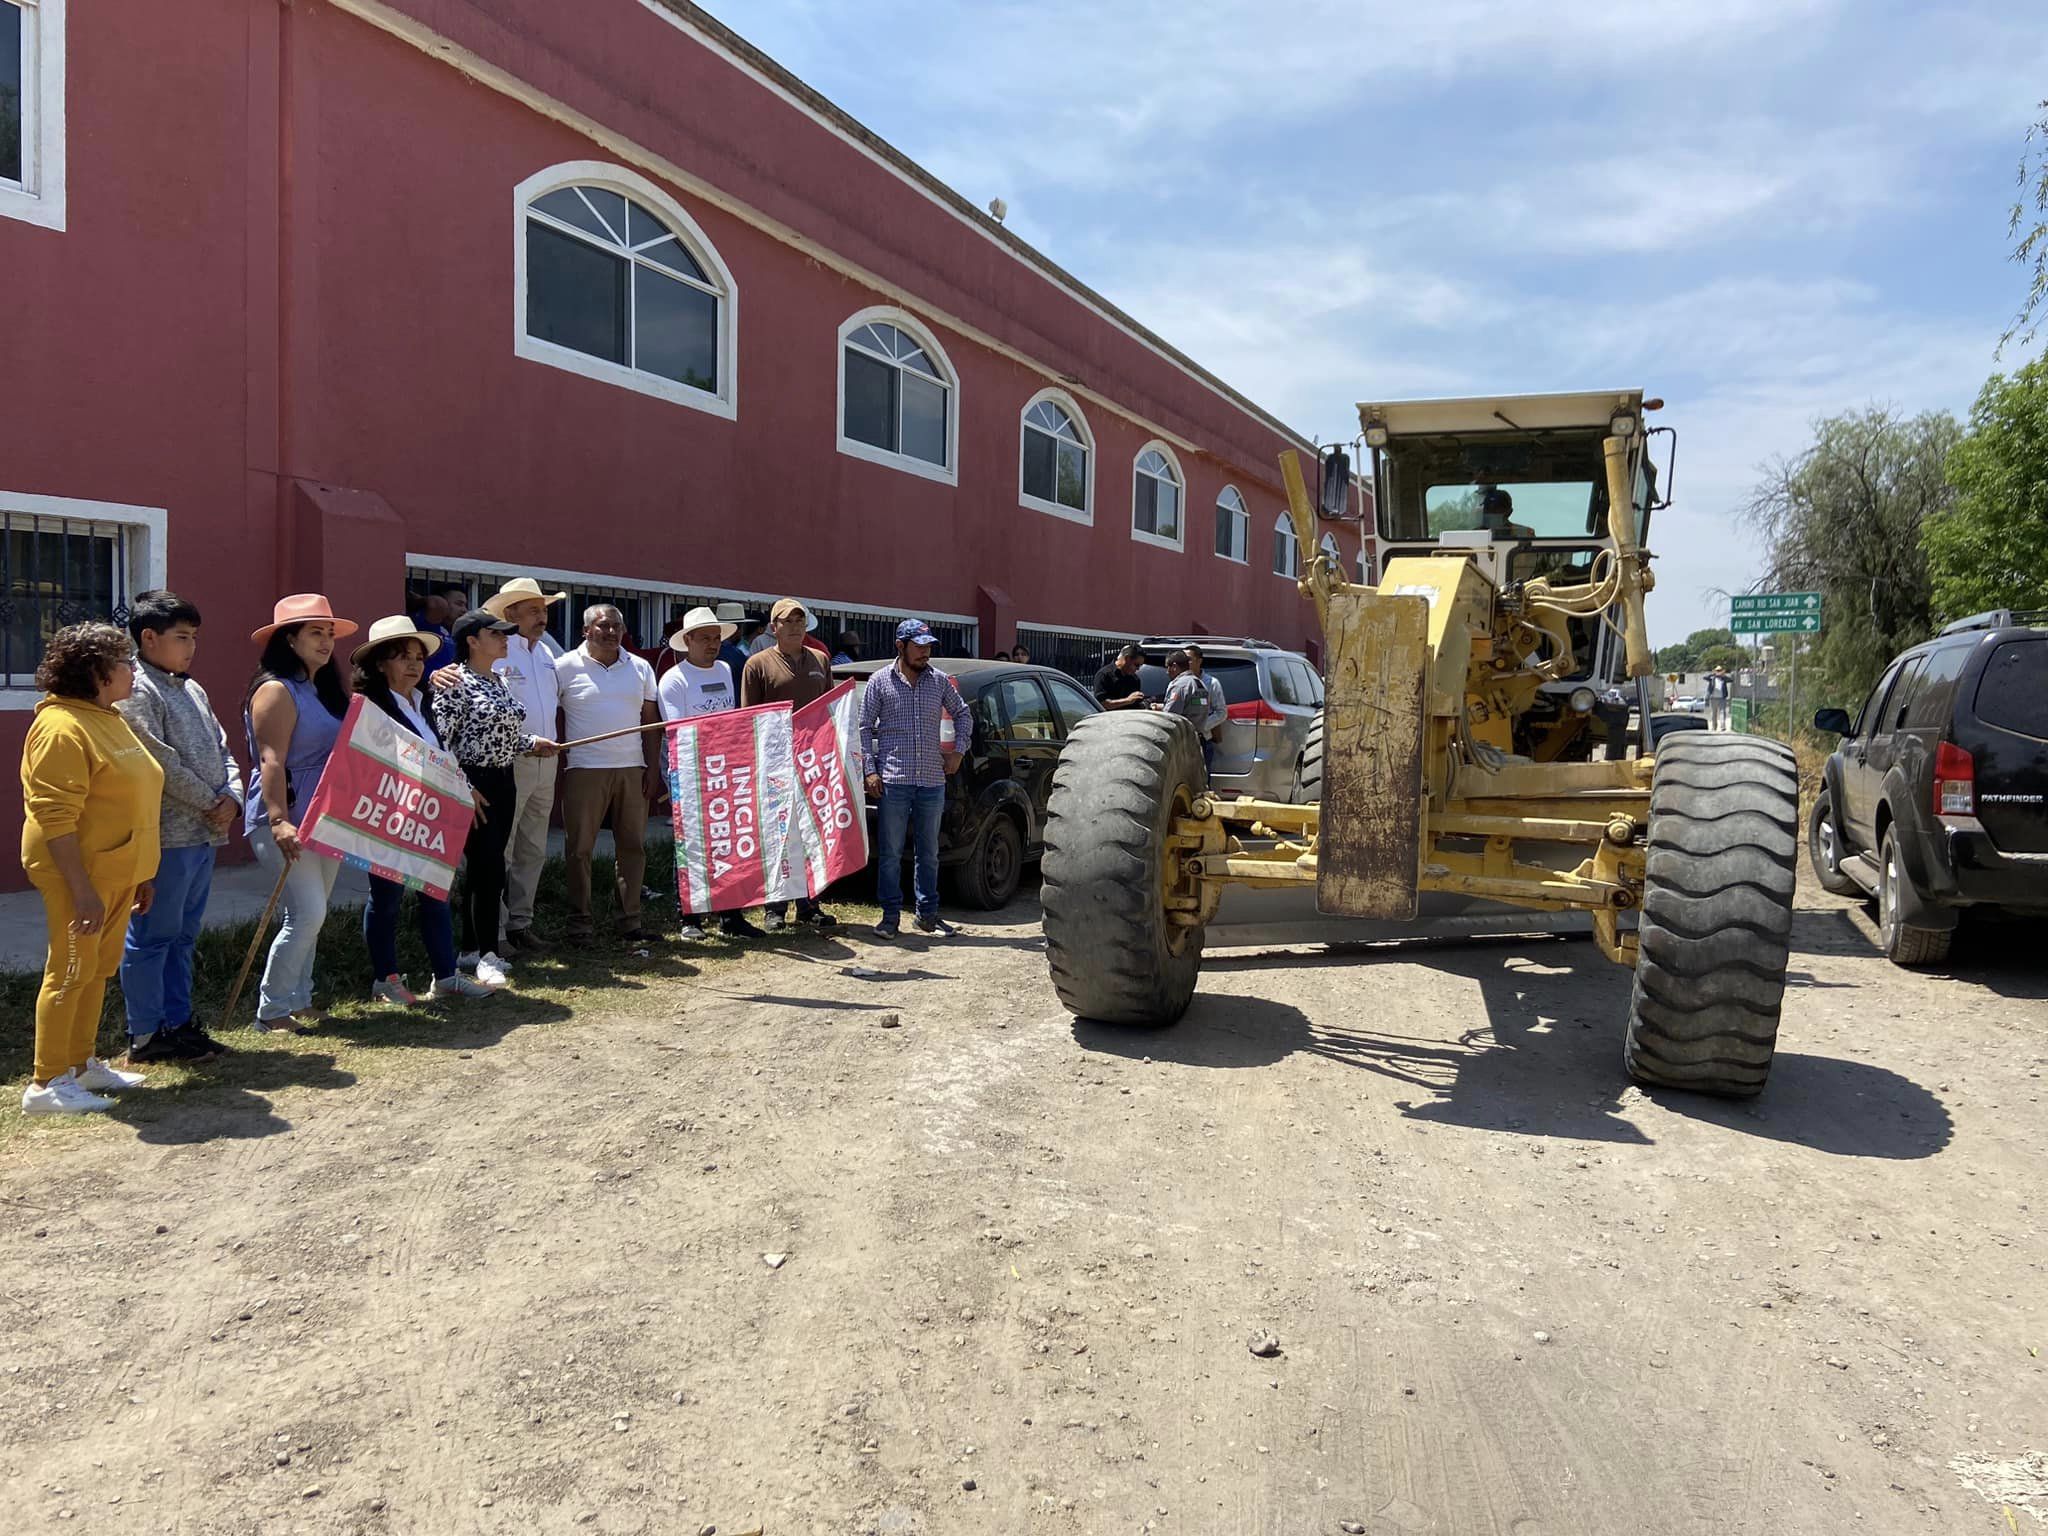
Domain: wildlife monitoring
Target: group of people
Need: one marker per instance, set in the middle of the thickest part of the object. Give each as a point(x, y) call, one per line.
point(1191, 692)
point(130, 789)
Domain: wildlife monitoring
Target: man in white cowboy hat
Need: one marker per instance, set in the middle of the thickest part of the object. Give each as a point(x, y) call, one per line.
point(731, 651)
point(702, 684)
point(529, 670)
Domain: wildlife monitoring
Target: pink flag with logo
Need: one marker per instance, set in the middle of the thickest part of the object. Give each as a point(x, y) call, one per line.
point(829, 832)
point(731, 783)
point(389, 803)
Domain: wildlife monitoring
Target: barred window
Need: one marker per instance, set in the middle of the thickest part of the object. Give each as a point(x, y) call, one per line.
point(56, 571)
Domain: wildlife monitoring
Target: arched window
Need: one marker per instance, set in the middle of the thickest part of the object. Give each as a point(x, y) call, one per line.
point(1233, 525)
point(617, 283)
point(1156, 497)
point(1329, 547)
point(896, 396)
point(1286, 548)
point(1057, 459)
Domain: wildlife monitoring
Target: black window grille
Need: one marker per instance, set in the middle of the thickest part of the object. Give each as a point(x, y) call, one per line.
point(55, 571)
point(1079, 656)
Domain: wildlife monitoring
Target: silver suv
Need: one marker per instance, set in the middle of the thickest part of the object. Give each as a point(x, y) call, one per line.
point(1274, 697)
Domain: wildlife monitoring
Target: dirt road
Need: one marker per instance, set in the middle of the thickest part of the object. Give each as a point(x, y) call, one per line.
point(526, 1291)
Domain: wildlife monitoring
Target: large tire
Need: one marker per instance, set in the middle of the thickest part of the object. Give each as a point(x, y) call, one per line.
point(1114, 955)
point(1716, 920)
point(1824, 848)
point(1308, 773)
point(1903, 945)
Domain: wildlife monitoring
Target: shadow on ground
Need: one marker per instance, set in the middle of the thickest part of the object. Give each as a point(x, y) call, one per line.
point(1545, 1061)
point(227, 1099)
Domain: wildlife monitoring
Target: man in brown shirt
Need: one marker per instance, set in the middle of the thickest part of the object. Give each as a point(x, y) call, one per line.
point(788, 672)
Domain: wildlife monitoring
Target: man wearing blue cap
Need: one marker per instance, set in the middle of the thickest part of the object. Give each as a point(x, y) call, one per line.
point(906, 768)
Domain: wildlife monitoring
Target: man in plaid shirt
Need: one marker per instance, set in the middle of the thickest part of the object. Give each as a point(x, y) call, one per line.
point(906, 768)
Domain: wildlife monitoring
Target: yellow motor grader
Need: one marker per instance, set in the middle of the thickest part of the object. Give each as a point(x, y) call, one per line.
point(1453, 757)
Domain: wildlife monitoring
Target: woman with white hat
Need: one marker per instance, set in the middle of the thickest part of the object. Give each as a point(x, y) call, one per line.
point(292, 713)
point(386, 670)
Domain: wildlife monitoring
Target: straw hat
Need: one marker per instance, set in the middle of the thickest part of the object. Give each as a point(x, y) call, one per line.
point(303, 608)
point(732, 613)
point(701, 618)
point(389, 631)
point(518, 590)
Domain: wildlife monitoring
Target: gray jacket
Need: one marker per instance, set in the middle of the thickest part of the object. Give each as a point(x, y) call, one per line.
point(175, 721)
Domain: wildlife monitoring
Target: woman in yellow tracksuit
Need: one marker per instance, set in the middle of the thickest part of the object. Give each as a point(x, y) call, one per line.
point(92, 792)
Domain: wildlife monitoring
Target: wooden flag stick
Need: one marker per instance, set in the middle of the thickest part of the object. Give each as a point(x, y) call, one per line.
point(631, 730)
point(227, 1016)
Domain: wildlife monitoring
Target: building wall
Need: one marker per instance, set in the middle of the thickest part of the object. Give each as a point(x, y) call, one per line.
point(283, 311)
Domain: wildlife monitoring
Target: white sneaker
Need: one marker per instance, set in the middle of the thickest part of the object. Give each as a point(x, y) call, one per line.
point(392, 989)
point(457, 985)
point(101, 1078)
point(492, 971)
point(61, 1096)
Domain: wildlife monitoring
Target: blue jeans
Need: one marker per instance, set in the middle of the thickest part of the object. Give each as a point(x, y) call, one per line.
point(288, 970)
point(156, 962)
point(909, 808)
point(380, 929)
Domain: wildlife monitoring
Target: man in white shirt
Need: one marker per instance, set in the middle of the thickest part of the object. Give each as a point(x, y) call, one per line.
point(529, 670)
point(605, 688)
point(702, 684)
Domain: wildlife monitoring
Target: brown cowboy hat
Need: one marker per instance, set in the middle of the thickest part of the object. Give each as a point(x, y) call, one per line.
point(303, 608)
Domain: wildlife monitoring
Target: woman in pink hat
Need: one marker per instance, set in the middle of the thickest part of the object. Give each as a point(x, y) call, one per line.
point(293, 714)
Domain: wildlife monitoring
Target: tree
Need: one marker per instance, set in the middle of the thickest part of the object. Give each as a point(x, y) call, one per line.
point(2030, 241)
point(1733, 657)
point(1844, 518)
point(1699, 645)
point(1989, 547)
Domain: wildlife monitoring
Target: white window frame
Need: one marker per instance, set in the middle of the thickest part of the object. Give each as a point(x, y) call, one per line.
point(724, 402)
point(1285, 524)
point(947, 473)
point(1179, 542)
point(38, 198)
point(1065, 402)
point(1328, 545)
point(144, 529)
point(1243, 514)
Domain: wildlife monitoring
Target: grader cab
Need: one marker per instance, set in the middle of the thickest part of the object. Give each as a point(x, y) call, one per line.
point(1453, 754)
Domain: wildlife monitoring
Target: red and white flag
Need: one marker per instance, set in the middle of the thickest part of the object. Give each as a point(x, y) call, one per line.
point(829, 834)
point(731, 778)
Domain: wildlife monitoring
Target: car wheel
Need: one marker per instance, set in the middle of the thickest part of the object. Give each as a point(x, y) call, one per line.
point(990, 878)
point(1824, 849)
point(1903, 945)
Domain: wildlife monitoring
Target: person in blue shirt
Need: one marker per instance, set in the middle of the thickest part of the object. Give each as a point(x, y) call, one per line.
point(906, 764)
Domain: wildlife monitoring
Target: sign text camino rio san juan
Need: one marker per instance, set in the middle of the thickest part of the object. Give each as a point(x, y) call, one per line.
point(1775, 613)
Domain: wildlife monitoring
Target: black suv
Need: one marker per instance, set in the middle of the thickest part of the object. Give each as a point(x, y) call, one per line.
point(1937, 798)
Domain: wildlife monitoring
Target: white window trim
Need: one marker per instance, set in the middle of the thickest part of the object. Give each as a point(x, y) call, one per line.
point(1244, 513)
point(947, 473)
point(1065, 402)
point(616, 178)
point(1328, 545)
point(1285, 524)
point(145, 527)
point(39, 199)
point(1179, 543)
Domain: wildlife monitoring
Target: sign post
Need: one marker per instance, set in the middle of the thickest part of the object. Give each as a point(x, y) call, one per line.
point(1778, 613)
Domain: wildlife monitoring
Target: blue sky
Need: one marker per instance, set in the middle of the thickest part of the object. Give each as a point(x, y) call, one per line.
point(1762, 210)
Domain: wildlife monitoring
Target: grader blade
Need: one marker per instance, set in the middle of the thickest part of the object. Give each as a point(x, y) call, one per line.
point(1369, 855)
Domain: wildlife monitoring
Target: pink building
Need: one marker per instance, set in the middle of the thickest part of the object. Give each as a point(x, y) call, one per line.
point(347, 295)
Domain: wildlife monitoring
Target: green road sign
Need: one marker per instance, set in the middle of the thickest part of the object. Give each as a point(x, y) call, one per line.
point(1775, 613)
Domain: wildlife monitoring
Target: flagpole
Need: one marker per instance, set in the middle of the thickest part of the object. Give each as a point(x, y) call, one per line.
point(631, 730)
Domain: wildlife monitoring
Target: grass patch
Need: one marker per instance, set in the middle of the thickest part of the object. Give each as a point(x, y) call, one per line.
point(367, 1041)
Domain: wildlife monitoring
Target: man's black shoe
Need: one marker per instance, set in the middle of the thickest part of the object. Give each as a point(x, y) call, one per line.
point(815, 917)
point(735, 925)
point(526, 941)
point(193, 1043)
point(936, 928)
point(157, 1051)
point(886, 930)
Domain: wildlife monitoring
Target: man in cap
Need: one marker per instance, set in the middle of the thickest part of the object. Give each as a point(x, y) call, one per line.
point(906, 769)
point(605, 689)
point(1497, 515)
point(529, 671)
point(788, 672)
point(702, 684)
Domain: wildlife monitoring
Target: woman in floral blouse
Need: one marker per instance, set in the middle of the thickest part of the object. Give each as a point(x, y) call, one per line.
point(483, 725)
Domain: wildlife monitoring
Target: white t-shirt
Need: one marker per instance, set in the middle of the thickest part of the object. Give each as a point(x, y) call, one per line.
point(688, 690)
point(597, 698)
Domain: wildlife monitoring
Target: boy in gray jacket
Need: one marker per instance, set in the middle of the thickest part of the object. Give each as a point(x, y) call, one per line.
point(170, 714)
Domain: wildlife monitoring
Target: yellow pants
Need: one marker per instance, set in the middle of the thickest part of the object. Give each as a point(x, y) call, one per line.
point(75, 979)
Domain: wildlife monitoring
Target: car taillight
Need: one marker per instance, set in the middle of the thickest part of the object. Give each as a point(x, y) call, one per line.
point(1256, 712)
point(1955, 781)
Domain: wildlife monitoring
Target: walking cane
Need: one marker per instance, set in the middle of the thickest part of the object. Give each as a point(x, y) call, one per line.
point(227, 1016)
